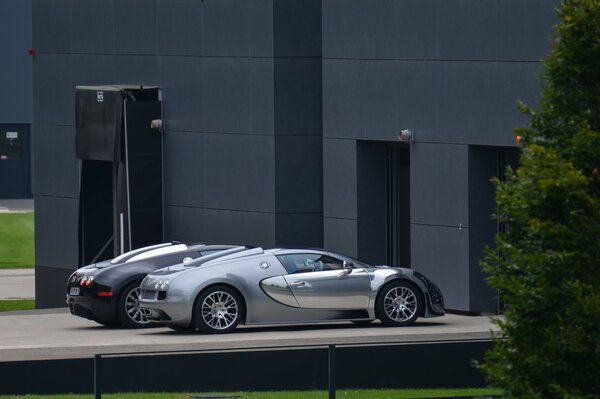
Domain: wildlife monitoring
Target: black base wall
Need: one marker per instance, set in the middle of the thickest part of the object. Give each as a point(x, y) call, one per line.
point(391, 366)
point(48, 281)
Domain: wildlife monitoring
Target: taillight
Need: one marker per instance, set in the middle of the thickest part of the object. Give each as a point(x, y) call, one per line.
point(105, 293)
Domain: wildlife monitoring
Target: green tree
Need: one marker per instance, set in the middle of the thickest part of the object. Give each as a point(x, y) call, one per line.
point(546, 265)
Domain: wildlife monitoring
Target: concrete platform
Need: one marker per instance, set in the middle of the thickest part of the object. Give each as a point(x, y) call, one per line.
point(17, 284)
point(56, 334)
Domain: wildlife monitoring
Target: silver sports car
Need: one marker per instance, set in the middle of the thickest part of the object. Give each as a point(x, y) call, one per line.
point(215, 293)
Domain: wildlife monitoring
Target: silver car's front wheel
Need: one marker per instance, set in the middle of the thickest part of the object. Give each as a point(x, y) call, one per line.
point(218, 310)
point(399, 304)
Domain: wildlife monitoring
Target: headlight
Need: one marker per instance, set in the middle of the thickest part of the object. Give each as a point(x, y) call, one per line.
point(161, 285)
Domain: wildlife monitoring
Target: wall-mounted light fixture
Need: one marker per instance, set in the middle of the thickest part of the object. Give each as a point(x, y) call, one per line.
point(406, 135)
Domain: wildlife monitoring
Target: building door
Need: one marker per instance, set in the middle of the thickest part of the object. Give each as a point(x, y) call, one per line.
point(15, 161)
point(398, 205)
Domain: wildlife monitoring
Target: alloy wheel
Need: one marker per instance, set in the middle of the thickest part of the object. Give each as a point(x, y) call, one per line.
point(219, 310)
point(400, 304)
point(132, 306)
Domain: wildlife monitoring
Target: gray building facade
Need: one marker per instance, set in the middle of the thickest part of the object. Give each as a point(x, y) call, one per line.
point(282, 121)
point(16, 81)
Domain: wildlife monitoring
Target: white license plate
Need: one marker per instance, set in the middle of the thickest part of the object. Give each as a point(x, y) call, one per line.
point(74, 291)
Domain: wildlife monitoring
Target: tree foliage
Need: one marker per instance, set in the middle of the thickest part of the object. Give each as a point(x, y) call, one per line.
point(546, 265)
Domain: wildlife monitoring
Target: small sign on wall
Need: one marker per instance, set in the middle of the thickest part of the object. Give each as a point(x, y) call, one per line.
point(11, 146)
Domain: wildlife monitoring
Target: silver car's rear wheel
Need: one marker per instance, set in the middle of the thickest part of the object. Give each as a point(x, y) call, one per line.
point(399, 304)
point(218, 310)
point(128, 308)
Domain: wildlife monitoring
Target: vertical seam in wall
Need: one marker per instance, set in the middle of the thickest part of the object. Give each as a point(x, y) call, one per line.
point(273, 23)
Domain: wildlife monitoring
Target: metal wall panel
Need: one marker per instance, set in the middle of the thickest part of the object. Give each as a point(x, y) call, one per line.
point(16, 77)
point(442, 254)
point(437, 29)
point(54, 90)
point(179, 27)
point(135, 26)
point(238, 95)
point(299, 174)
point(298, 96)
point(444, 101)
point(339, 179)
point(52, 30)
point(56, 169)
point(56, 232)
point(439, 184)
point(238, 28)
point(94, 26)
point(297, 27)
point(304, 229)
point(222, 226)
point(340, 235)
point(220, 171)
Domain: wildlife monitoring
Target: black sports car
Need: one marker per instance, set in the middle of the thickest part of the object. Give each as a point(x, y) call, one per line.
point(108, 292)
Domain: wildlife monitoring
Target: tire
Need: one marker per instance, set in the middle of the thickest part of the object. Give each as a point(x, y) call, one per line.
point(218, 310)
point(128, 310)
point(399, 303)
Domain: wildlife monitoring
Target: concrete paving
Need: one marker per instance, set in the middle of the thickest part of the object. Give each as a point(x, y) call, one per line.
point(16, 205)
point(17, 284)
point(56, 334)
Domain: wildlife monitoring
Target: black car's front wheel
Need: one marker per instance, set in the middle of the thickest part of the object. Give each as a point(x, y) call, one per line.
point(399, 303)
point(128, 307)
point(218, 309)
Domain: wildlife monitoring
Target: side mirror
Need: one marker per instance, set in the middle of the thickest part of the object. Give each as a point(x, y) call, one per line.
point(347, 269)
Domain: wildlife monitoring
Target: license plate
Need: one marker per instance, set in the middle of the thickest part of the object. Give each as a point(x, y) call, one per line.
point(74, 291)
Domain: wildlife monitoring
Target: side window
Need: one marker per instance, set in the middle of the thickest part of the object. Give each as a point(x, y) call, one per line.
point(306, 263)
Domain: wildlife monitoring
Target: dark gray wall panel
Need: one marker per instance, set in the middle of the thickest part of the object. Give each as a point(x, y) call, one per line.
point(449, 102)
point(304, 229)
point(54, 277)
point(181, 84)
point(439, 184)
point(238, 28)
point(93, 22)
point(56, 169)
point(179, 27)
point(297, 28)
point(359, 28)
point(442, 254)
point(136, 70)
point(340, 235)
point(339, 178)
point(16, 77)
point(233, 171)
point(54, 90)
point(298, 174)
point(135, 26)
point(437, 29)
point(213, 225)
point(298, 104)
point(52, 30)
point(238, 95)
point(56, 232)
point(92, 70)
point(360, 99)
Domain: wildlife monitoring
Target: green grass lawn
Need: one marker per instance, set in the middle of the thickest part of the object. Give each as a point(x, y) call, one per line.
point(342, 394)
point(7, 305)
point(16, 240)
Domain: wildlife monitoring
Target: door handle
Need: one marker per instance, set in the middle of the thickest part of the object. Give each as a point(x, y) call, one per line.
point(298, 284)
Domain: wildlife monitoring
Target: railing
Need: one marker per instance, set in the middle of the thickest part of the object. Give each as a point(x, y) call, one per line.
point(331, 358)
